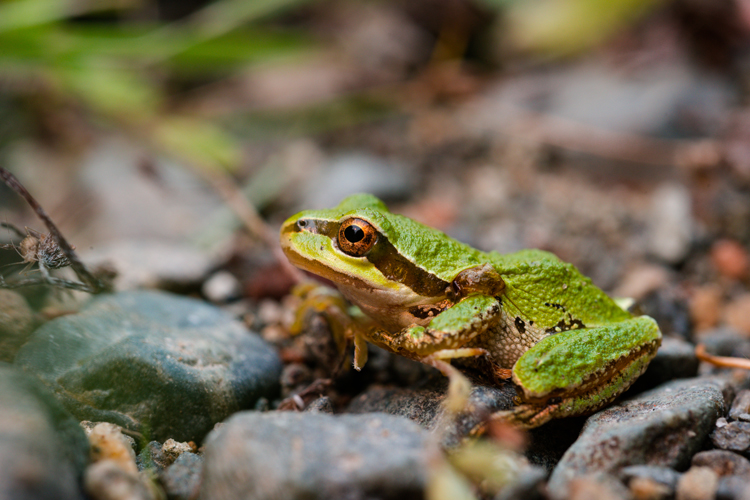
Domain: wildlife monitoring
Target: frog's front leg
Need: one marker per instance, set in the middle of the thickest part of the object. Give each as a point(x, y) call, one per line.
point(577, 372)
point(442, 340)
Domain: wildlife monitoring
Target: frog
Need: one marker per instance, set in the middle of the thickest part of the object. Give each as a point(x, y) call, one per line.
point(526, 317)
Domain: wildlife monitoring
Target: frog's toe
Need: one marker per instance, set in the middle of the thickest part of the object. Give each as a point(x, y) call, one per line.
point(526, 416)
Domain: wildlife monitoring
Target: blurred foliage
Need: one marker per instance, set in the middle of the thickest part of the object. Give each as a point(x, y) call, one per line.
point(120, 70)
point(565, 27)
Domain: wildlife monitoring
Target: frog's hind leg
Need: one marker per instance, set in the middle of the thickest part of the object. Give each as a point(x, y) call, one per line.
point(577, 372)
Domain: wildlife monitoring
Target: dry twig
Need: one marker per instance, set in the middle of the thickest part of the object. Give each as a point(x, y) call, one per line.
point(51, 251)
point(721, 361)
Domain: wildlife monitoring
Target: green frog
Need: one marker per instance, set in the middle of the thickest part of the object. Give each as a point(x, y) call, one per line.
point(527, 316)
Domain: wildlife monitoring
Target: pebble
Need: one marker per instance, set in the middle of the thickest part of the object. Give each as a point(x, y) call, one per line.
point(653, 474)
point(221, 287)
point(106, 480)
point(593, 487)
point(16, 323)
point(723, 463)
point(664, 426)
point(734, 436)
point(736, 314)
point(187, 364)
point(644, 488)
point(730, 259)
point(182, 479)
point(313, 455)
point(698, 483)
point(108, 443)
point(425, 407)
point(705, 307)
point(43, 450)
point(671, 223)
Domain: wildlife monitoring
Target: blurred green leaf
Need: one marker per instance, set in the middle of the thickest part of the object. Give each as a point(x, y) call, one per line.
point(561, 27)
point(199, 142)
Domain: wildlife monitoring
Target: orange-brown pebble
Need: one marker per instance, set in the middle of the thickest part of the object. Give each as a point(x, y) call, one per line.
point(730, 258)
point(705, 307)
point(737, 313)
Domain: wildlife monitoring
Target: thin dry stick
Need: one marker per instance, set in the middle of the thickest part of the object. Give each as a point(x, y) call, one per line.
point(90, 284)
point(721, 361)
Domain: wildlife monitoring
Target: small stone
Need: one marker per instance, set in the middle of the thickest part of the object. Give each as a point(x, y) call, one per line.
point(182, 479)
point(665, 426)
point(733, 488)
point(106, 480)
point(108, 443)
point(221, 287)
point(674, 359)
point(593, 487)
point(723, 463)
point(16, 323)
point(744, 417)
point(153, 363)
point(698, 483)
point(735, 436)
point(705, 307)
point(653, 474)
point(736, 314)
point(730, 259)
point(740, 405)
point(644, 488)
point(315, 456)
point(172, 450)
point(671, 224)
point(321, 405)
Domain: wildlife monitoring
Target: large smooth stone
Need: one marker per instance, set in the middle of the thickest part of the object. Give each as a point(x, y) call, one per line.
point(315, 456)
point(159, 364)
point(665, 426)
point(43, 450)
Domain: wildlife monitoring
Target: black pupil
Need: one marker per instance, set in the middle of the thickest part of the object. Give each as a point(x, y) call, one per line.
point(353, 234)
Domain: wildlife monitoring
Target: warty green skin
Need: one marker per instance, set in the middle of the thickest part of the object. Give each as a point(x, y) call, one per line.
point(571, 347)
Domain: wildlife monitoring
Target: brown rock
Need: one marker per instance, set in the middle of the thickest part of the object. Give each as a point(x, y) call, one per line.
point(644, 488)
point(705, 307)
point(737, 313)
point(698, 483)
point(730, 259)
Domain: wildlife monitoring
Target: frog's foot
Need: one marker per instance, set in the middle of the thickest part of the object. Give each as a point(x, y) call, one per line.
point(527, 416)
point(459, 387)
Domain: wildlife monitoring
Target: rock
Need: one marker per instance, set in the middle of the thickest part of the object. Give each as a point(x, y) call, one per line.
point(674, 359)
point(314, 455)
point(730, 259)
point(322, 405)
point(734, 436)
point(221, 287)
point(424, 406)
point(698, 483)
point(664, 426)
point(733, 488)
point(593, 487)
point(644, 488)
point(152, 362)
point(528, 486)
point(653, 474)
point(736, 316)
point(152, 264)
point(106, 480)
point(182, 479)
point(723, 463)
point(671, 223)
point(108, 443)
point(43, 450)
point(16, 323)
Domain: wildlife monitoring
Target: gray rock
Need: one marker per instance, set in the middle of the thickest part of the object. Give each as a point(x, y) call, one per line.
point(528, 486)
point(733, 488)
point(16, 323)
point(151, 362)
point(734, 436)
point(321, 405)
point(106, 480)
point(740, 405)
point(314, 455)
point(424, 406)
point(182, 479)
point(724, 463)
point(674, 359)
point(43, 450)
point(660, 475)
point(664, 426)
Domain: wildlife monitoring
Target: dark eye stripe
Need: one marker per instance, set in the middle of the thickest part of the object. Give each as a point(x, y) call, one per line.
point(384, 257)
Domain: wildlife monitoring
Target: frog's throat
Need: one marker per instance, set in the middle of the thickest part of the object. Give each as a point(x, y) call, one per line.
point(640, 356)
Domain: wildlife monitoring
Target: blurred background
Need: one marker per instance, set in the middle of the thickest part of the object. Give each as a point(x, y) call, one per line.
point(611, 132)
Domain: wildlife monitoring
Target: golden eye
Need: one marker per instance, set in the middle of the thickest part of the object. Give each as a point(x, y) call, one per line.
point(356, 237)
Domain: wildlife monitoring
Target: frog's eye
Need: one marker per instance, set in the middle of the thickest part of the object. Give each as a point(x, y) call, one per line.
point(356, 237)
